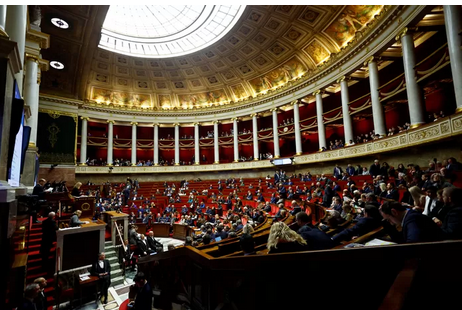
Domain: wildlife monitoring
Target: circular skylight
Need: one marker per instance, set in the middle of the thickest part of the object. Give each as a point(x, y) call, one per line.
point(57, 65)
point(58, 22)
point(166, 31)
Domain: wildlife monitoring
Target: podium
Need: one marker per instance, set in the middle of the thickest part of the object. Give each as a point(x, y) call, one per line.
point(161, 229)
point(181, 231)
point(113, 219)
point(80, 246)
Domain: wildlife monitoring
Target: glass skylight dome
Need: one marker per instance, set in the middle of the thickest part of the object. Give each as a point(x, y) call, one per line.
point(166, 31)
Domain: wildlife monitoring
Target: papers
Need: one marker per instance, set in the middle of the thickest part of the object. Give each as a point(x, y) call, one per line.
point(84, 278)
point(375, 242)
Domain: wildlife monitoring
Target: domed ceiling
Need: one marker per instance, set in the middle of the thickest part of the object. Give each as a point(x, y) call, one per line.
point(268, 47)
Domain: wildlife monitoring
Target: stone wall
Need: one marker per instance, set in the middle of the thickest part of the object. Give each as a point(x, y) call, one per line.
point(58, 174)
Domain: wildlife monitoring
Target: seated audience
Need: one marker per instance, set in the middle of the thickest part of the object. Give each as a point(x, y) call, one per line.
point(369, 222)
point(247, 244)
point(282, 239)
point(315, 238)
point(452, 222)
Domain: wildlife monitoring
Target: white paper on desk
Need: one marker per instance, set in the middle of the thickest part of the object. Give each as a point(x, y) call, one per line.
point(374, 242)
point(84, 278)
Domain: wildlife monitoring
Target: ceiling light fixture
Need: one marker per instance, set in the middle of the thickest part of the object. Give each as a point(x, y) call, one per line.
point(57, 65)
point(58, 22)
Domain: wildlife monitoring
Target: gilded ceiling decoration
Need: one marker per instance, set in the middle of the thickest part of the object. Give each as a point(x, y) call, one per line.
point(269, 48)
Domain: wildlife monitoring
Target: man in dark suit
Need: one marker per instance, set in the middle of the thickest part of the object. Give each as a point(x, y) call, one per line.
point(295, 208)
point(126, 193)
point(102, 269)
point(30, 294)
point(368, 223)
point(328, 195)
point(337, 171)
point(153, 243)
point(41, 300)
point(416, 227)
point(374, 170)
point(392, 192)
point(38, 189)
point(143, 298)
point(133, 235)
point(431, 201)
point(49, 229)
point(452, 222)
point(315, 239)
point(143, 246)
point(129, 255)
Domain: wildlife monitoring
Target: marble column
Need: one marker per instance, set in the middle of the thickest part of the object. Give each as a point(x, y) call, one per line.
point(453, 22)
point(110, 142)
point(83, 141)
point(30, 96)
point(347, 124)
point(156, 144)
point(377, 109)
point(216, 146)
point(298, 133)
point(197, 158)
point(415, 101)
point(3, 9)
point(320, 118)
point(256, 153)
point(277, 153)
point(177, 144)
point(15, 27)
point(235, 140)
point(134, 124)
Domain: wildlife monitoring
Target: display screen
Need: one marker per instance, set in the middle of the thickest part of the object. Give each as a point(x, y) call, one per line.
point(282, 161)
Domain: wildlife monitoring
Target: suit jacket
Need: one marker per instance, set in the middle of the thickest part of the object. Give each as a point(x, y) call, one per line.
point(327, 198)
point(350, 170)
point(419, 228)
point(132, 237)
point(394, 194)
point(143, 299)
point(436, 205)
point(49, 229)
point(38, 190)
point(452, 223)
point(96, 270)
point(26, 304)
point(364, 225)
point(74, 221)
point(154, 244)
point(41, 301)
point(142, 247)
point(316, 239)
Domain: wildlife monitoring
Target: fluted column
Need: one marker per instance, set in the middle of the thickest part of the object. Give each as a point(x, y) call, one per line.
point(83, 141)
point(110, 142)
point(347, 124)
point(197, 155)
point(177, 144)
point(256, 153)
point(3, 9)
point(320, 118)
point(134, 124)
point(156, 144)
point(15, 27)
point(235, 140)
point(277, 153)
point(298, 133)
point(216, 146)
point(414, 97)
point(377, 109)
point(31, 98)
point(453, 22)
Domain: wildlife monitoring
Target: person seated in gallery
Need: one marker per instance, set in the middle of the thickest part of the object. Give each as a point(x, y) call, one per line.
point(370, 221)
point(282, 239)
point(416, 227)
point(315, 238)
point(74, 220)
point(76, 189)
point(452, 222)
point(143, 246)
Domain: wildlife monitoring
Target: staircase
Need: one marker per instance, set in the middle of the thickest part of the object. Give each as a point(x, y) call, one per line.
point(117, 277)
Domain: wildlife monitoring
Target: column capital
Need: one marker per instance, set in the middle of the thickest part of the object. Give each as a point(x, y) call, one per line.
point(32, 57)
point(110, 121)
point(254, 115)
point(216, 122)
point(294, 102)
point(401, 34)
point(85, 118)
point(343, 78)
point(274, 109)
point(235, 119)
point(369, 60)
point(134, 123)
point(176, 124)
point(316, 92)
point(196, 124)
point(155, 124)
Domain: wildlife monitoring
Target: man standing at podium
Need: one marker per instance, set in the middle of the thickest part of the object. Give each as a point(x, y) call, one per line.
point(102, 269)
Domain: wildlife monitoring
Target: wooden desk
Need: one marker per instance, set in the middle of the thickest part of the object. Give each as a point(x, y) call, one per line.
point(161, 229)
point(113, 218)
point(83, 285)
point(80, 246)
point(181, 231)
